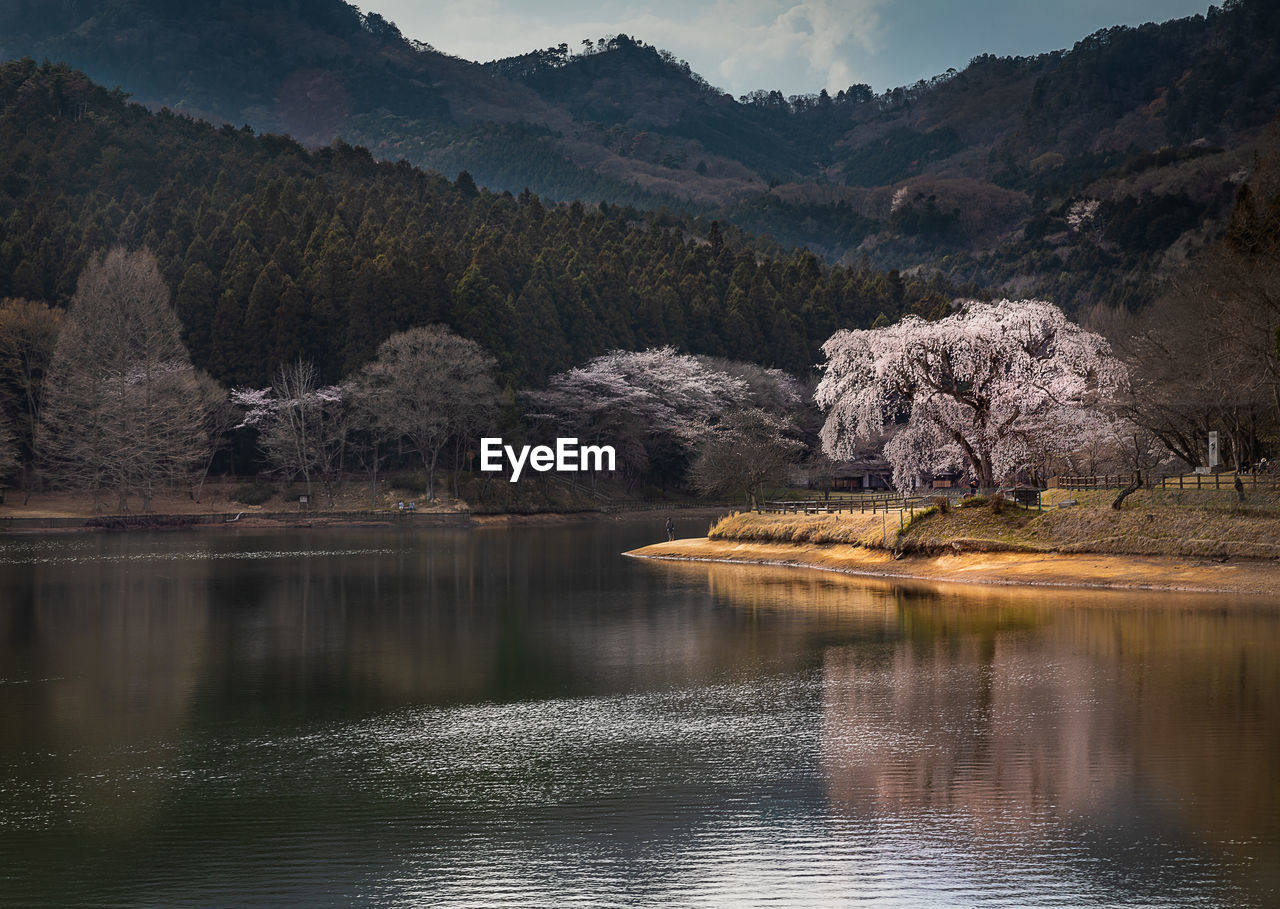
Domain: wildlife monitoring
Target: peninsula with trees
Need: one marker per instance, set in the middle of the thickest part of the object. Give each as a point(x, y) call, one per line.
point(195, 313)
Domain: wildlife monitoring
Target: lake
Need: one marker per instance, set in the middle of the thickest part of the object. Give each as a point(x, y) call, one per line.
point(518, 716)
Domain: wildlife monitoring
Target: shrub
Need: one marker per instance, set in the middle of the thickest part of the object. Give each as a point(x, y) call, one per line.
point(255, 493)
point(923, 513)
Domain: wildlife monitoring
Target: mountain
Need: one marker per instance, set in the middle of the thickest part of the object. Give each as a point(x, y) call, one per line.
point(1083, 175)
point(273, 251)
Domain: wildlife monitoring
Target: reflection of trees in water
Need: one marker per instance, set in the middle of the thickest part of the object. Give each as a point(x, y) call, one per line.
point(108, 654)
point(780, 592)
point(274, 625)
point(1010, 708)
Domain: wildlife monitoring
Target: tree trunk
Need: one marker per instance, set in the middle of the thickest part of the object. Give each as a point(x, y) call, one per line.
point(1128, 490)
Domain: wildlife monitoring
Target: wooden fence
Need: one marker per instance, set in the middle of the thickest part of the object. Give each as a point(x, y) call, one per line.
point(873, 503)
point(1179, 481)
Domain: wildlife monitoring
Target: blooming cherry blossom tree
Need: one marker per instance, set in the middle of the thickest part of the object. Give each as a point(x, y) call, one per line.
point(1082, 214)
point(302, 427)
point(638, 402)
point(986, 390)
point(668, 391)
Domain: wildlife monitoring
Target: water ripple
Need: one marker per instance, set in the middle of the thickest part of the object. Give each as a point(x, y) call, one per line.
point(183, 555)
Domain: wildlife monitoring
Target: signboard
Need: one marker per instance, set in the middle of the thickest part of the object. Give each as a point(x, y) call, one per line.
point(1213, 450)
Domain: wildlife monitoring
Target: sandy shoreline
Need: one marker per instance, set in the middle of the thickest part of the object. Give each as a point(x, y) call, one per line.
point(1256, 577)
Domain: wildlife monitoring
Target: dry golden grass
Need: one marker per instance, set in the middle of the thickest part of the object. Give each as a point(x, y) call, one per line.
point(878, 531)
point(1021, 568)
point(1151, 523)
point(1209, 523)
point(1161, 531)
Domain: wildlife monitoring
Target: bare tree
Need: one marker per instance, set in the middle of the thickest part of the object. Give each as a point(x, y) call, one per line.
point(368, 439)
point(429, 385)
point(220, 417)
point(28, 334)
point(746, 451)
point(123, 407)
point(302, 426)
point(8, 452)
point(1202, 358)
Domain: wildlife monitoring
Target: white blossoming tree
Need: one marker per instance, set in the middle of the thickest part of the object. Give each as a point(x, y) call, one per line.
point(986, 390)
point(648, 402)
point(302, 426)
point(1083, 214)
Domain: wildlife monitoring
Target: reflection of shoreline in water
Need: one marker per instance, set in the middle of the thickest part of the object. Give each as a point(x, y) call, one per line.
point(1013, 715)
point(1015, 709)
point(789, 587)
point(1259, 577)
point(1030, 716)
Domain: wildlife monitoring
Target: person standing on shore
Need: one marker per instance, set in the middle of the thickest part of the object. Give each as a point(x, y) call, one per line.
point(671, 529)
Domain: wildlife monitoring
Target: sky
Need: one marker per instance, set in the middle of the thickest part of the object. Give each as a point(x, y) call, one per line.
point(796, 47)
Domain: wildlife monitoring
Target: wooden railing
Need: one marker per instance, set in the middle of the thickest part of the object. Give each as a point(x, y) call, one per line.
point(862, 504)
point(1103, 481)
point(1178, 481)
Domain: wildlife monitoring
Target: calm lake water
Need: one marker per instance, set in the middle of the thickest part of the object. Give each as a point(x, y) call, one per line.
point(521, 716)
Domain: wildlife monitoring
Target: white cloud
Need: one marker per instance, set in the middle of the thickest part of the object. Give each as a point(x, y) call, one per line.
point(819, 40)
point(798, 46)
point(738, 44)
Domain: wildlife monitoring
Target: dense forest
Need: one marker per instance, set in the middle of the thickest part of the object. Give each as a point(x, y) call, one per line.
point(973, 173)
point(273, 251)
point(266, 261)
point(1129, 180)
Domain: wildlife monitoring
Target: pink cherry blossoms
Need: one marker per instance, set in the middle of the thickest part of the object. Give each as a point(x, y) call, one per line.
point(984, 390)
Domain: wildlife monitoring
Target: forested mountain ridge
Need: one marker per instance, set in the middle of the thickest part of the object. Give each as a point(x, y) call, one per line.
point(274, 252)
point(983, 174)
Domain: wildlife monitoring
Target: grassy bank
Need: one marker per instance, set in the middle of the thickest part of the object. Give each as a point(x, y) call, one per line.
point(873, 531)
point(1118, 572)
point(1207, 524)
